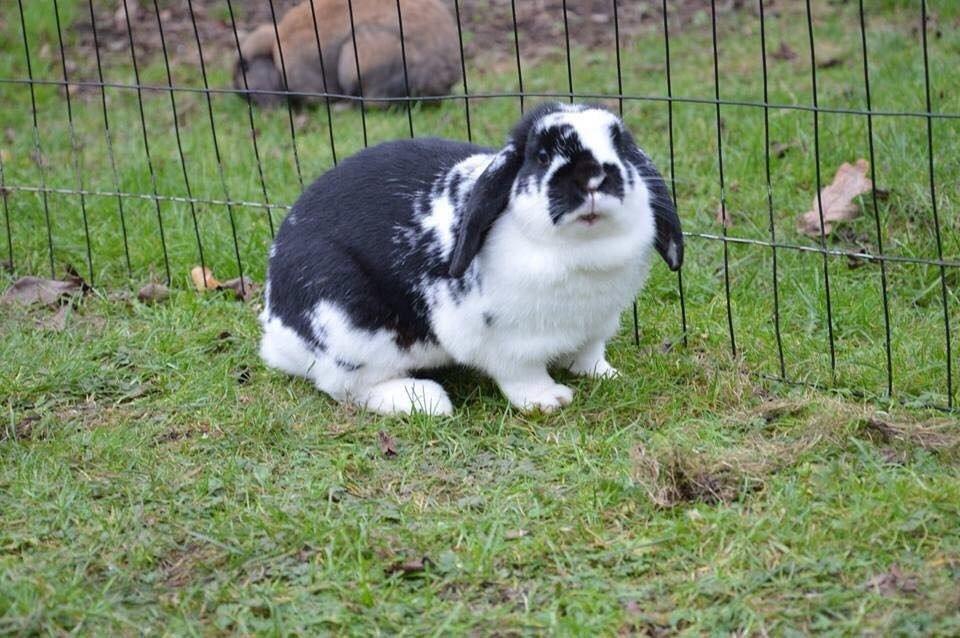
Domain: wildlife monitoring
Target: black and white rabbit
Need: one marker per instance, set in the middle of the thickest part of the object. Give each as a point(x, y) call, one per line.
point(421, 253)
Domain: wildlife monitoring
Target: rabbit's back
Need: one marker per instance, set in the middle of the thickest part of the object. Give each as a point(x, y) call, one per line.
point(360, 238)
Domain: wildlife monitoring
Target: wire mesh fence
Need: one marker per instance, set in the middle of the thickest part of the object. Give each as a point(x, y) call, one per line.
point(130, 154)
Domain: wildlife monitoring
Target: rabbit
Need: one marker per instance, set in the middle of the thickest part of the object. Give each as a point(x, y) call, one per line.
point(429, 44)
point(422, 253)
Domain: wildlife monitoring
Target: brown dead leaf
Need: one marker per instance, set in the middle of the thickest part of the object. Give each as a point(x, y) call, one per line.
point(388, 444)
point(723, 216)
point(152, 293)
point(780, 149)
point(412, 566)
point(203, 278)
point(29, 290)
point(892, 582)
point(39, 158)
point(838, 199)
point(244, 287)
point(829, 62)
point(784, 52)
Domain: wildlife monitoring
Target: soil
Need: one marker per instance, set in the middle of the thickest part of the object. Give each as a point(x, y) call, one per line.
point(488, 26)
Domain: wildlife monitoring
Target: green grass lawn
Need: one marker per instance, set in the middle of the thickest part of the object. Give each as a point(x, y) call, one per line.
point(155, 477)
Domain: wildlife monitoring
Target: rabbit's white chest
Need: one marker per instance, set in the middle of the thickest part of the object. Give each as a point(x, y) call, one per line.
point(539, 302)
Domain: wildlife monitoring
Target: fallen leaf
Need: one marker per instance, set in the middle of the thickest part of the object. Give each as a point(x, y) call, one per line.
point(829, 62)
point(203, 278)
point(387, 443)
point(892, 582)
point(412, 566)
point(152, 293)
point(39, 158)
point(723, 216)
point(28, 290)
point(514, 534)
point(784, 52)
point(780, 149)
point(850, 181)
point(244, 287)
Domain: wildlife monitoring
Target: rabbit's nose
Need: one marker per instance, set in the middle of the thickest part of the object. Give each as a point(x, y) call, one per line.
point(589, 176)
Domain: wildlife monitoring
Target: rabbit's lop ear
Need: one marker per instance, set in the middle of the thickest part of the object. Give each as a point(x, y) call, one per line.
point(487, 200)
point(669, 240)
point(491, 192)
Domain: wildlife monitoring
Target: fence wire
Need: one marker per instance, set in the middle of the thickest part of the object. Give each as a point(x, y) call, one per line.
point(89, 78)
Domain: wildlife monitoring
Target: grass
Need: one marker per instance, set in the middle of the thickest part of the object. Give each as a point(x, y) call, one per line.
point(155, 477)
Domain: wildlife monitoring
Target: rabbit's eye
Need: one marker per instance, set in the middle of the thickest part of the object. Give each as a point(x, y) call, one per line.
point(543, 157)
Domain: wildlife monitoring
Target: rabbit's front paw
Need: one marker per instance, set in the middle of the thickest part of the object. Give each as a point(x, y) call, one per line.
point(542, 397)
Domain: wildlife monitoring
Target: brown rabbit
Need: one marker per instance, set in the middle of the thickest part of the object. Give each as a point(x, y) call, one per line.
point(429, 41)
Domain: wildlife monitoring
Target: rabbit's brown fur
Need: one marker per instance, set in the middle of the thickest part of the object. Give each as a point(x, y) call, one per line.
point(429, 41)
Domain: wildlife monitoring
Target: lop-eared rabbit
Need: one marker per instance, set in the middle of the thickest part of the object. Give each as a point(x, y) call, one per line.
point(421, 253)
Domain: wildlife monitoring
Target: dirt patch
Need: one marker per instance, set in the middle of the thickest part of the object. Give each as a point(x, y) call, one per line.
point(892, 582)
point(932, 436)
point(199, 429)
point(672, 475)
point(487, 594)
point(85, 415)
point(211, 19)
point(591, 24)
point(26, 429)
point(179, 568)
point(675, 477)
point(488, 27)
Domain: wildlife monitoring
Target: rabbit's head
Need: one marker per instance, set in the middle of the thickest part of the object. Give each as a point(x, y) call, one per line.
point(569, 173)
